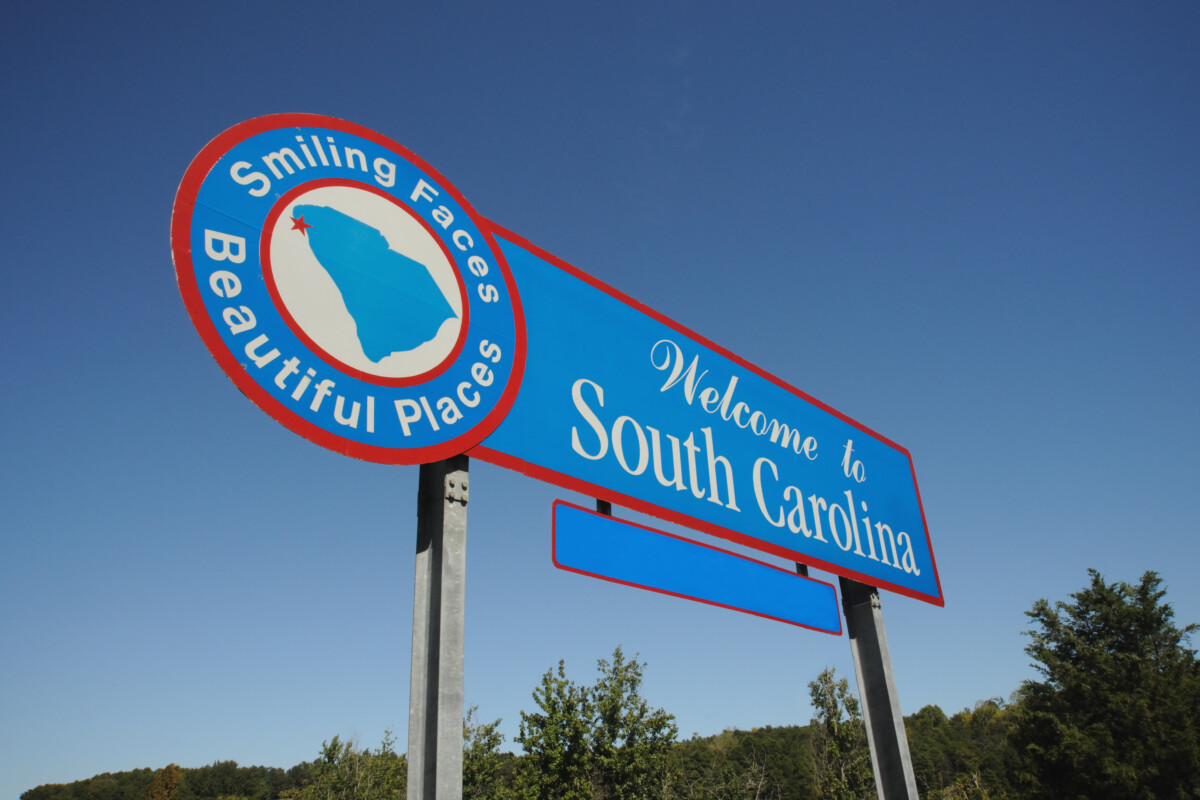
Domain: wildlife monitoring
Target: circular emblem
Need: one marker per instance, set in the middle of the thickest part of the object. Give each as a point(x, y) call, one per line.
point(348, 289)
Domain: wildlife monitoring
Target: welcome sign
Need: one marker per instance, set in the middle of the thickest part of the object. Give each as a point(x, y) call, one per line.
point(350, 291)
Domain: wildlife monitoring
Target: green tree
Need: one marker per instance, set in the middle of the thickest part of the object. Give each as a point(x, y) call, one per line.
point(841, 755)
point(703, 767)
point(761, 764)
point(1117, 712)
point(630, 740)
point(983, 754)
point(486, 770)
point(345, 772)
point(965, 755)
point(166, 785)
point(929, 744)
point(220, 779)
point(602, 741)
point(969, 786)
point(557, 741)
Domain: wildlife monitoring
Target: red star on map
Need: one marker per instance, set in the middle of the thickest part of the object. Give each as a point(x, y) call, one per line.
point(300, 225)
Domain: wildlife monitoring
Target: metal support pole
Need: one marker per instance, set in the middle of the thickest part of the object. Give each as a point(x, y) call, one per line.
point(435, 709)
point(894, 779)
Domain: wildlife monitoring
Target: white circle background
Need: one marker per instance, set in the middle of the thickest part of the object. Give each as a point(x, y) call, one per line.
point(315, 303)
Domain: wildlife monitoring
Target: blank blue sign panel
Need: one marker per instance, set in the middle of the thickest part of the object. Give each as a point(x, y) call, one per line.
point(623, 552)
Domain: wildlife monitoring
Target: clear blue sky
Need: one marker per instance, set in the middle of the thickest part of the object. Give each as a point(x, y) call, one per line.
point(973, 227)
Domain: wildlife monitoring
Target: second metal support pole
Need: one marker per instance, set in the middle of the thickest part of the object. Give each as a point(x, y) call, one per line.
point(894, 779)
point(435, 711)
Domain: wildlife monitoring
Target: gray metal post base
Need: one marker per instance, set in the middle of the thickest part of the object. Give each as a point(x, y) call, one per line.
point(435, 709)
point(890, 759)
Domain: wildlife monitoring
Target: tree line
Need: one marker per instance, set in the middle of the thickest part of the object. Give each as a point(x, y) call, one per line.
point(1113, 713)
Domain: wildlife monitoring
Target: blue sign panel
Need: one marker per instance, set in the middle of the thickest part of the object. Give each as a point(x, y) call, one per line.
point(625, 405)
point(352, 293)
point(615, 550)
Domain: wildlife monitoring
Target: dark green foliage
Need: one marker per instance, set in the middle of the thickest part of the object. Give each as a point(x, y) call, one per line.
point(221, 779)
point(841, 755)
point(167, 784)
point(130, 785)
point(785, 755)
point(1116, 715)
point(704, 767)
point(227, 779)
point(343, 771)
point(487, 772)
point(929, 745)
point(969, 751)
point(630, 740)
point(557, 740)
point(599, 741)
point(1117, 712)
point(765, 763)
